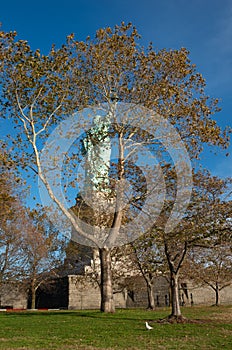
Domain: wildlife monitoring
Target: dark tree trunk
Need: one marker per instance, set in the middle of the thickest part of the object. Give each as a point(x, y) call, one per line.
point(216, 295)
point(107, 301)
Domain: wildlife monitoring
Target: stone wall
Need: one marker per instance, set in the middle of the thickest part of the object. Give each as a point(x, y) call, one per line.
point(86, 295)
point(137, 292)
point(12, 295)
point(203, 295)
point(74, 292)
point(81, 294)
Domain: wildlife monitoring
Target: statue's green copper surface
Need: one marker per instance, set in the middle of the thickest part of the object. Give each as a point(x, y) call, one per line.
point(97, 148)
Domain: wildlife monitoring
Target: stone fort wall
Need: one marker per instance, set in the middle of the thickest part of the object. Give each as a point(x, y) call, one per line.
point(86, 295)
point(74, 292)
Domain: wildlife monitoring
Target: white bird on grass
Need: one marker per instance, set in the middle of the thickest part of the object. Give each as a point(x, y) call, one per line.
point(148, 326)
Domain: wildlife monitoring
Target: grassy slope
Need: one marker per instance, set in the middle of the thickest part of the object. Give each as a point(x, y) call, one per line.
point(123, 330)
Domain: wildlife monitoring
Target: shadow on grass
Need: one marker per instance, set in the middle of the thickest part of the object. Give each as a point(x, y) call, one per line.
point(86, 314)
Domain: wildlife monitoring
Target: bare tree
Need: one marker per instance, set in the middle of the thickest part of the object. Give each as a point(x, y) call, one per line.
point(42, 250)
point(11, 212)
point(204, 225)
point(212, 267)
point(210, 259)
point(150, 260)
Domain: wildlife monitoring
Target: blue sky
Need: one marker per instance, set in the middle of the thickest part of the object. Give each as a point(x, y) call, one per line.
point(204, 27)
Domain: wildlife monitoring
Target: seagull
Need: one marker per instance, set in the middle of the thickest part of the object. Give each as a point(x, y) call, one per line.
point(148, 326)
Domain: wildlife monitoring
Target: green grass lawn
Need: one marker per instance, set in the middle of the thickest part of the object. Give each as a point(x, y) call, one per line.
point(123, 330)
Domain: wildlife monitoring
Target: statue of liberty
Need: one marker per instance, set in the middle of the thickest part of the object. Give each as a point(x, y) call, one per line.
point(98, 203)
point(96, 147)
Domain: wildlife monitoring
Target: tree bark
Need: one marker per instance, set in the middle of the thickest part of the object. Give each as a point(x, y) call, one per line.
point(33, 294)
point(175, 300)
point(107, 301)
point(217, 295)
point(150, 295)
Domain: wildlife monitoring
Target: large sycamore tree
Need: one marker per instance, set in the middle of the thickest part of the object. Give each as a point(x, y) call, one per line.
point(38, 91)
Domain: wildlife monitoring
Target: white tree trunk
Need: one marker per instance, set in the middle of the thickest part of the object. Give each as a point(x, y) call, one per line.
point(175, 300)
